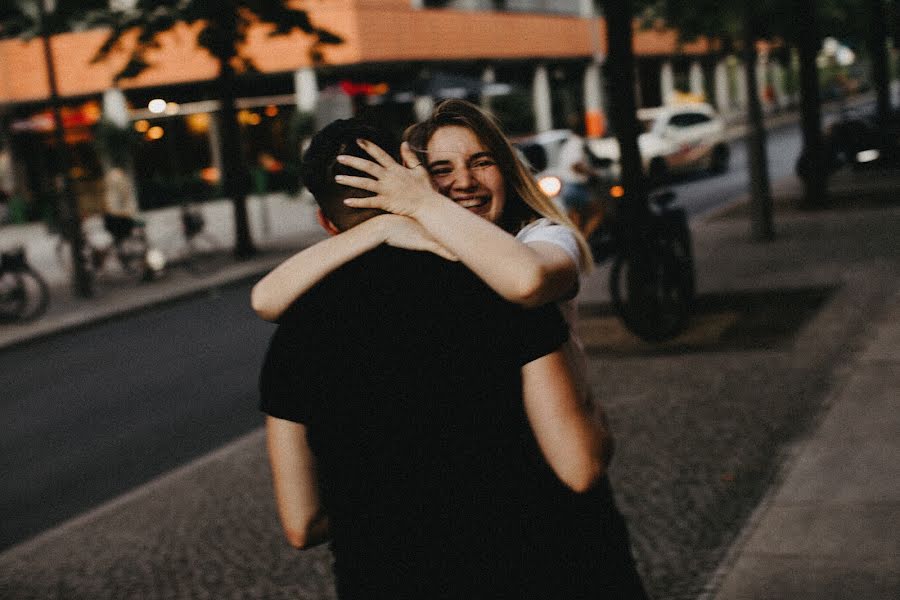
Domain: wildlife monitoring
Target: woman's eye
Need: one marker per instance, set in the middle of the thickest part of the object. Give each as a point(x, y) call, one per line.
point(483, 163)
point(440, 171)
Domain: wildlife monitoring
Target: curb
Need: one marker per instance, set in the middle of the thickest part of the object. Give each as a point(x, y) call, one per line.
point(44, 328)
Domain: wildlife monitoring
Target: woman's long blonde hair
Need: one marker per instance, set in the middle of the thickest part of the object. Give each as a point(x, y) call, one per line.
point(525, 200)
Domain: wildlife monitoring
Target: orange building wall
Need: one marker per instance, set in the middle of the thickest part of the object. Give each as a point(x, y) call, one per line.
point(374, 31)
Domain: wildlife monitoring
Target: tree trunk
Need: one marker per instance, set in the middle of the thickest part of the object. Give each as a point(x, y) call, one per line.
point(815, 170)
point(235, 177)
point(70, 216)
point(880, 75)
point(761, 225)
point(623, 115)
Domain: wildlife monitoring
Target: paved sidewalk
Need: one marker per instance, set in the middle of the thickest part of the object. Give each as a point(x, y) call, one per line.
point(701, 421)
point(829, 529)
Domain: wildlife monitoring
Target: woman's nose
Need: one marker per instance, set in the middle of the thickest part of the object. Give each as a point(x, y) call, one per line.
point(464, 179)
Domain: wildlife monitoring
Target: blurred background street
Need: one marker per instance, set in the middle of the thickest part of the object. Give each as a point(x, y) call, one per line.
point(756, 445)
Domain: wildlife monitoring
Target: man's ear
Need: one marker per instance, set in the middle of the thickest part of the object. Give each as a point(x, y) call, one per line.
point(326, 224)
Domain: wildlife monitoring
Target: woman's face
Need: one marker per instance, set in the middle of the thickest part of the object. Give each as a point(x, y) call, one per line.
point(462, 169)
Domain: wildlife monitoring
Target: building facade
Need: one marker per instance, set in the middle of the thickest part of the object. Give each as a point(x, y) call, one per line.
point(532, 62)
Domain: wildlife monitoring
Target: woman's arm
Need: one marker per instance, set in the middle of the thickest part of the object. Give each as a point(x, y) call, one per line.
point(275, 292)
point(570, 439)
point(294, 478)
point(527, 274)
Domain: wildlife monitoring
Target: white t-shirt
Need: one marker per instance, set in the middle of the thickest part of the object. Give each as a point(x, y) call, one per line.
point(545, 230)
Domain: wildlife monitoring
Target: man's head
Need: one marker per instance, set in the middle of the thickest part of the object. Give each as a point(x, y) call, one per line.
point(319, 168)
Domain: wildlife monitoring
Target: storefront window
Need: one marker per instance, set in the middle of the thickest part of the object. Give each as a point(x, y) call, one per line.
point(267, 139)
point(33, 144)
point(173, 161)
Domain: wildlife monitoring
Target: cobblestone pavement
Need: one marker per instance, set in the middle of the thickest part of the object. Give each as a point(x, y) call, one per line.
point(703, 424)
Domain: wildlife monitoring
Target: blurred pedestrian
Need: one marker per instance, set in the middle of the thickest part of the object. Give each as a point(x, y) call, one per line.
point(475, 199)
point(578, 194)
point(120, 206)
point(413, 414)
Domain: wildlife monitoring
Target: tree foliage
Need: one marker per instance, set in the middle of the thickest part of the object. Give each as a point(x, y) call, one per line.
point(771, 19)
point(19, 18)
point(224, 27)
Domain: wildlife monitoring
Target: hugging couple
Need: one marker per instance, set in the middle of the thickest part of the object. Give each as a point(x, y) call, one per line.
point(427, 409)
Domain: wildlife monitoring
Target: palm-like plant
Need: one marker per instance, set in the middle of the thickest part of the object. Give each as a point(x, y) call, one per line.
point(223, 29)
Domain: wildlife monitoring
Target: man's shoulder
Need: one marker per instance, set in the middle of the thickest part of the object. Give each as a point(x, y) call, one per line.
point(385, 280)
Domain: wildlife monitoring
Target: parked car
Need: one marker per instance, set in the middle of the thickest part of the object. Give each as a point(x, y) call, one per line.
point(857, 139)
point(675, 139)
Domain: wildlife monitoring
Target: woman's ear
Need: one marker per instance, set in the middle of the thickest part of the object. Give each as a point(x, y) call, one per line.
point(326, 224)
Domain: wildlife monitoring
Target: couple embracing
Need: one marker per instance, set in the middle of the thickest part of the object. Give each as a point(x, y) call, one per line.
point(427, 412)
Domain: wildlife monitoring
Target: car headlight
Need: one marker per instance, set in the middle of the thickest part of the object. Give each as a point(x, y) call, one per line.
point(550, 185)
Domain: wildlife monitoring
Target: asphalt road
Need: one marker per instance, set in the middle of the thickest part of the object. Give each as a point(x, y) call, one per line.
point(702, 192)
point(91, 414)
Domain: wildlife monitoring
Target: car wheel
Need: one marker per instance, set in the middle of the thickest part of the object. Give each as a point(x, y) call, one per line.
point(720, 159)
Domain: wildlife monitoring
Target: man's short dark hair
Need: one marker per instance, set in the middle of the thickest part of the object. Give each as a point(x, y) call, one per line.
point(319, 168)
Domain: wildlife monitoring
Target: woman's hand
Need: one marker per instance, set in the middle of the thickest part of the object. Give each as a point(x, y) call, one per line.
point(399, 189)
point(403, 232)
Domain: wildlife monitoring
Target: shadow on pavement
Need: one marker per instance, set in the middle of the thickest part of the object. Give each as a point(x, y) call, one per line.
point(734, 321)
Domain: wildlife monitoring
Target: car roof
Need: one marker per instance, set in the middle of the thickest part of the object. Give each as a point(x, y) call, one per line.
point(674, 109)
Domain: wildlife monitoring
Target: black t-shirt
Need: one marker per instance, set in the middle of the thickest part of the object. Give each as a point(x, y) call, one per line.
point(406, 370)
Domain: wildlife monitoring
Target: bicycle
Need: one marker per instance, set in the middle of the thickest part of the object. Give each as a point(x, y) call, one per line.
point(653, 293)
point(133, 253)
point(201, 252)
point(24, 294)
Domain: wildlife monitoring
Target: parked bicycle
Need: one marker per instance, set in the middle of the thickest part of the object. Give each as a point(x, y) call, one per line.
point(199, 251)
point(652, 293)
point(24, 295)
point(133, 253)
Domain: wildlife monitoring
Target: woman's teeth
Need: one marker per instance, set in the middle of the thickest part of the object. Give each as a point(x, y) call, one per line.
point(471, 202)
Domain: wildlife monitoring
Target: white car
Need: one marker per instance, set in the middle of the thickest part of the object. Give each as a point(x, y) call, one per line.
point(675, 139)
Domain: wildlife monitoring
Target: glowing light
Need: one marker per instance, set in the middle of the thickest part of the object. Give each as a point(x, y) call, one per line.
point(197, 122)
point(867, 156)
point(271, 110)
point(248, 117)
point(210, 175)
point(142, 126)
point(617, 191)
point(155, 132)
point(171, 108)
point(550, 185)
point(157, 106)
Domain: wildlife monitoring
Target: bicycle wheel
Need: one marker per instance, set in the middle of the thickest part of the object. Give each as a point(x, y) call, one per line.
point(131, 253)
point(24, 295)
point(205, 255)
point(12, 296)
point(678, 239)
point(655, 304)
